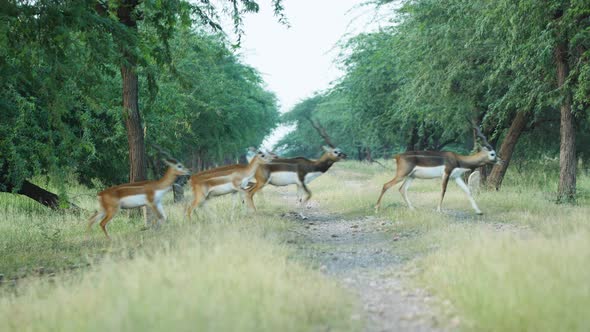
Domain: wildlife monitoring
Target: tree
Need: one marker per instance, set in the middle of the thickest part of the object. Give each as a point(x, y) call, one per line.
point(509, 65)
point(61, 62)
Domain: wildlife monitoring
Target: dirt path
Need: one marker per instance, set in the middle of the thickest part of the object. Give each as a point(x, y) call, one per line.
point(359, 253)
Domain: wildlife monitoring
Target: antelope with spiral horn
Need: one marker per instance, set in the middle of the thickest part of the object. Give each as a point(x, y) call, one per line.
point(439, 164)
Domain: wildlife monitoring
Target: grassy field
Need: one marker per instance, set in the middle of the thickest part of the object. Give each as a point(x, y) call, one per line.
point(522, 266)
point(227, 273)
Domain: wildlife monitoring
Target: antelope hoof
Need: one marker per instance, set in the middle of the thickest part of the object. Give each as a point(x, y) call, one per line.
point(479, 213)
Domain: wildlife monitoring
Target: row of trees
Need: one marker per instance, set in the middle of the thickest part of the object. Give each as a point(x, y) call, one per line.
point(515, 67)
point(86, 83)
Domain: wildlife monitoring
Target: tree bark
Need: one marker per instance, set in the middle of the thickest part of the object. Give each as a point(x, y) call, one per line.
point(178, 188)
point(135, 139)
point(368, 154)
point(135, 135)
point(321, 131)
point(566, 191)
point(494, 180)
point(42, 196)
point(413, 139)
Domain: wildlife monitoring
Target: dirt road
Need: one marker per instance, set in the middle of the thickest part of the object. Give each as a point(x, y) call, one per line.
point(359, 253)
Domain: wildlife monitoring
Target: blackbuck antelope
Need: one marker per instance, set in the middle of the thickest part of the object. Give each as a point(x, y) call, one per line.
point(137, 194)
point(299, 171)
point(225, 180)
point(439, 164)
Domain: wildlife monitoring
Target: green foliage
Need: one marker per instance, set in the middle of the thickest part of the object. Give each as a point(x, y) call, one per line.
point(413, 84)
point(210, 104)
point(60, 95)
point(331, 112)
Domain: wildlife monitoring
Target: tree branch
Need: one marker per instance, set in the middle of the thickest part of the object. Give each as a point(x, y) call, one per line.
point(321, 131)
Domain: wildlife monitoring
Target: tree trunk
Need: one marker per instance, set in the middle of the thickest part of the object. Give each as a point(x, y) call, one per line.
point(413, 139)
point(566, 191)
point(321, 131)
point(135, 135)
point(42, 196)
point(494, 180)
point(135, 139)
point(368, 155)
point(178, 188)
point(137, 161)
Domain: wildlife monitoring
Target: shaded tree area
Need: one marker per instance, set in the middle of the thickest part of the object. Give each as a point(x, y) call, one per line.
point(519, 69)
point(86, 84)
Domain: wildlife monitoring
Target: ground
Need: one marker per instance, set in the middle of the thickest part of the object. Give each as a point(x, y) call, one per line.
point(358, 253)
point(342, 268)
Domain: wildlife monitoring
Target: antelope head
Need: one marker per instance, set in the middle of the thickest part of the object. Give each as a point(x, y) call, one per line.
point(486, 147)
point(334, 154)
point(176, 167)
point(264, 157)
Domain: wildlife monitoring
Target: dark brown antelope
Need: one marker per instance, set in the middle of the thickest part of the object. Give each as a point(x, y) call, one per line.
point(298, 171)
point(439, 164)
point(137, 194)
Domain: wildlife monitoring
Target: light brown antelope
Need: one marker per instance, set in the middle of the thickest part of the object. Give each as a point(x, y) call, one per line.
point(225, 180)
point(299, 171)
point(137, 194)
point(439, 164)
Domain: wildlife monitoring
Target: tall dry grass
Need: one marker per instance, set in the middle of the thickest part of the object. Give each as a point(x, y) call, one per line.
point(523, 266)
point(223, 271)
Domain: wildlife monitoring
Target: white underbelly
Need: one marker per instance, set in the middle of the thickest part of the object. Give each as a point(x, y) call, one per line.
point(221, 189)
point(427, 172)
point(134, 201)
point(311, 176)
point(421, 172)
point(160, 193)
point(284, 178)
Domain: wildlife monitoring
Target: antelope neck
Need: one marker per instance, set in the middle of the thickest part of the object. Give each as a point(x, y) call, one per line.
point(253, 166)
point(323, 164)
point(167, 180)
point(474, 160)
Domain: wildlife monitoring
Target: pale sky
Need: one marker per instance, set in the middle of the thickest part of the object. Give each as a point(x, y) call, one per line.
point(297, 61)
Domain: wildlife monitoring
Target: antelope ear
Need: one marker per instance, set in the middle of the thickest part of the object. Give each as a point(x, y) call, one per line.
point(326, 148)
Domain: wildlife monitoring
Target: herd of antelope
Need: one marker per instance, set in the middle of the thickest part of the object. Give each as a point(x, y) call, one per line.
point(266, 168)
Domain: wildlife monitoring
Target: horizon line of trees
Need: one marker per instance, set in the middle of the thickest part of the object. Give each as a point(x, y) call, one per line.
point(520, 69)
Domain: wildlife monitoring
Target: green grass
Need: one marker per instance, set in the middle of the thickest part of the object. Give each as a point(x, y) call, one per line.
point(523, 266)
point(226, 273)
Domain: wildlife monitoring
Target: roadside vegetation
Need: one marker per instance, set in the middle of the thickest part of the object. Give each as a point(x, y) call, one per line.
point(522, 266)
point(222, 273)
